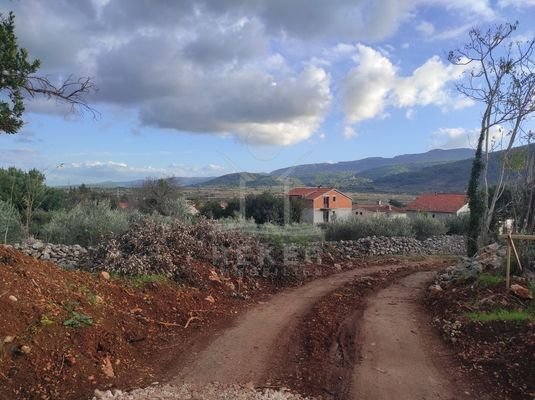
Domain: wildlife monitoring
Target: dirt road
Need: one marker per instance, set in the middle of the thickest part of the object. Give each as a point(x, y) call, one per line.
point(241, 353)
point(399, 354)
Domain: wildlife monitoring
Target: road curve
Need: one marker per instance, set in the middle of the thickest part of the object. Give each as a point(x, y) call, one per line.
point(241, 353)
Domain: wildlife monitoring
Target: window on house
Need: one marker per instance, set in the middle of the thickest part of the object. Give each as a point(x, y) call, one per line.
point(334, 199)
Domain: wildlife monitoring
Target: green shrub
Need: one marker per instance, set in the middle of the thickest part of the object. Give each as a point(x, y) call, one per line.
point(180, 209)
point(10, 225)
point(86, 223)
point(458, 225)
point(356, 228)
point(424, 228)
point(299, 233)
point(486, 279)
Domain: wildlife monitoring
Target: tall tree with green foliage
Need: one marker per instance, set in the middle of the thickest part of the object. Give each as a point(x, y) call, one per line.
point(476, 202)
point(18, 81)
point(500, 74)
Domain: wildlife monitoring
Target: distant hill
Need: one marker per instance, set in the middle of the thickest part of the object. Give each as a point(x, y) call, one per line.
point(179, 180)
point(435, 170)
point(358, 175)
point(357, 167)
point(251, 180)
point(448, 177)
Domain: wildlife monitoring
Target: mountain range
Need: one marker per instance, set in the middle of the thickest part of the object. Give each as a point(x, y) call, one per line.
point(435, 170)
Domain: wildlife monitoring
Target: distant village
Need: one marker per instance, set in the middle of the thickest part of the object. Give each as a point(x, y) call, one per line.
point(325, 205)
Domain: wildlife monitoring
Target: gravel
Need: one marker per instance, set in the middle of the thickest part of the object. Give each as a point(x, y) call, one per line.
point(213, 391)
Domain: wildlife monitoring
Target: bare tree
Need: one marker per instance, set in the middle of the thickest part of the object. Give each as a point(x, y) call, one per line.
point(158, 195)
point(71, 91)
point(500, 74)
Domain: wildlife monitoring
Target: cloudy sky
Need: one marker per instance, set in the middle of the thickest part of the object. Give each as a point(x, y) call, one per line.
point(206, 87)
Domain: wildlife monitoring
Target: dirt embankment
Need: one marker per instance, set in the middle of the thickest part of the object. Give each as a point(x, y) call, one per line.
point(500, 353)
point(65, 333)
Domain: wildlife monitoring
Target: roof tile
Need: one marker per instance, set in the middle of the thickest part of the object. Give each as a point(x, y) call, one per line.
point(438, 202)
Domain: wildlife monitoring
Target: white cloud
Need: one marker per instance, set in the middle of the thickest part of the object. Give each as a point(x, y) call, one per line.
point(452, 33)
point(473, 8)
point(101, 171)
point(350, 133)
point(217, 67)
point(516, 3)
point(452, 138)
point(375, 84)
point(367, 85)
point(425, 28)
point(247, 105)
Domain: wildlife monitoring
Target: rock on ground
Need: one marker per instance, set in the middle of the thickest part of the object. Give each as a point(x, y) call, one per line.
point(212, 391)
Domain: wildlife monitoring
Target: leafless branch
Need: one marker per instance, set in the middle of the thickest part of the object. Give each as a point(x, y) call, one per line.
point(72, 91)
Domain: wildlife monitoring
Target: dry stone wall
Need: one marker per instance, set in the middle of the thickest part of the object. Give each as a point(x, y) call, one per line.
point(63, 255)
point(382, 246)
point(75, 256)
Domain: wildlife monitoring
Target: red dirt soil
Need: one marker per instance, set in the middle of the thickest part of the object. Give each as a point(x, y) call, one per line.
point(138, 330)
point(131, 325)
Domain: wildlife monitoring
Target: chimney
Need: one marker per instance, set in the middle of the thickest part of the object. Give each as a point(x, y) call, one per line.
point(379, 202)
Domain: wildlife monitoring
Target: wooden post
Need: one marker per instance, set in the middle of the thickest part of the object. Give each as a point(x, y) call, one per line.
point(515, 253)
point(508, 267)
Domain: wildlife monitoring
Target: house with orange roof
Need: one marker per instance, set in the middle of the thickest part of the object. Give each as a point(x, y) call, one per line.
point(322, 205)
point(439, 205)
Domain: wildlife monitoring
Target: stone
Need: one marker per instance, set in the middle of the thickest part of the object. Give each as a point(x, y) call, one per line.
point(9, 339)
point(436, 288)
point(521, 292)
point(107, 368)
point(38, 245)
point(25, 349)
point(13, 298)
point(105, 275)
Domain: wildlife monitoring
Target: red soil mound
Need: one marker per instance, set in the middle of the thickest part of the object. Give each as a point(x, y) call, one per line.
point(64, 333)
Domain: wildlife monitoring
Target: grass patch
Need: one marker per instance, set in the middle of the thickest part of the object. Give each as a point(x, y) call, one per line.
point(500, 315)
point(487, 279)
